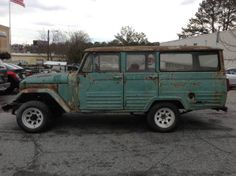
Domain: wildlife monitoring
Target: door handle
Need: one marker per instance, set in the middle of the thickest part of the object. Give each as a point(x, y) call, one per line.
point(152, 77)
point(117, 77)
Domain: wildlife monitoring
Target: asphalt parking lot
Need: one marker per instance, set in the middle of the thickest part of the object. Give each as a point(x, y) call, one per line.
point(204, 144)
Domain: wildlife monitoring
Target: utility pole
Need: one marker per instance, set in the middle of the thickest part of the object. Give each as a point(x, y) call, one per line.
point(49, 53)
point(9, 32)
point(48, 45)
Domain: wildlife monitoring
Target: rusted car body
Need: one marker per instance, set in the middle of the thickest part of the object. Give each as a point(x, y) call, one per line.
point(136, 79)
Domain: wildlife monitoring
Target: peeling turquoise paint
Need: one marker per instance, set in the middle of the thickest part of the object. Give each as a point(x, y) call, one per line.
point(124, 91)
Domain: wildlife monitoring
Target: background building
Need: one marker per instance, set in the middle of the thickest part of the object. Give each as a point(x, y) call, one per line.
point(33, 58)
point(225, 40)
point(4, 39)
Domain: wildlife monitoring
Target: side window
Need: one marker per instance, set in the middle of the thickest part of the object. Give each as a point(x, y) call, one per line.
point(140, 62)
point(135, 62)
point(88, 64)
point(176, 62)
point(107, 63)
point(208, 62)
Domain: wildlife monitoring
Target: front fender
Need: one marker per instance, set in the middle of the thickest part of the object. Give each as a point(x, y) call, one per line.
point(50, 92)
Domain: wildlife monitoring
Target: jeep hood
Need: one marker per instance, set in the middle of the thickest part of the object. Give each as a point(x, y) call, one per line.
point(49, 78)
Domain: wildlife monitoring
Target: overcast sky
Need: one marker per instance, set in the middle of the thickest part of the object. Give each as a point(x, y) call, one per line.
point(160, 20)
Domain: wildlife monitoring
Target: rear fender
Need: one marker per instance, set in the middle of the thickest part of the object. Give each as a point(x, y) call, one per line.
point(170, 99)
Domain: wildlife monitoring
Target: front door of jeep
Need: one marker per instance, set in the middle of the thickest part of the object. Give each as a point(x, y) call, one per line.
point(101, 85)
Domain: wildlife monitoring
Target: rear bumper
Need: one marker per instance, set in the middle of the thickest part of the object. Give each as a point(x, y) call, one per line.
point(222, 108)
point(232, 86)
point(232, 83)
point(4, 86)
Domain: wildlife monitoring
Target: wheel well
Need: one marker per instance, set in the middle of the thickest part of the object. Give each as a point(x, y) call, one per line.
point(177, 103)
point(43, 97)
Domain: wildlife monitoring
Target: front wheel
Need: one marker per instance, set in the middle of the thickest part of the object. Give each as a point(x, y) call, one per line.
point(163, 117)
point(33, 116)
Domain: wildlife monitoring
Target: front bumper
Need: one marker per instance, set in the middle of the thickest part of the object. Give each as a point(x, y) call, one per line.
point(12, 106)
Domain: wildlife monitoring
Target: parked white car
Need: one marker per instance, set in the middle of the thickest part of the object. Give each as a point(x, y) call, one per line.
point(231, 76)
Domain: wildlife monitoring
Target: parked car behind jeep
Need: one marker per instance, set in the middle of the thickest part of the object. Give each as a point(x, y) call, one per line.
point(4, 84)
point(15, 74)
point(231, 76)
point(161, 82)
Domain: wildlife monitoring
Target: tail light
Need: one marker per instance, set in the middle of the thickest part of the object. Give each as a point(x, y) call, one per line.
point(13, 74)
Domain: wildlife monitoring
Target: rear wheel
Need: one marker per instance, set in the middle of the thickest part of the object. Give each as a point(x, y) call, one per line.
point(163, 117)
point(33, 116)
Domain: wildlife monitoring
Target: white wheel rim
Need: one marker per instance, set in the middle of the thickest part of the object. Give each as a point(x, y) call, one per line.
point(164, 117)
point(32, 118)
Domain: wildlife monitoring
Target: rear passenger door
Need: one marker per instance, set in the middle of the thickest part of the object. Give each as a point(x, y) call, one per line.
point(140, 80)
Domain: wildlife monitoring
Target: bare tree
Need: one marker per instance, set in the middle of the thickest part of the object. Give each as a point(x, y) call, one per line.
point(77, 43)
point(53, 41)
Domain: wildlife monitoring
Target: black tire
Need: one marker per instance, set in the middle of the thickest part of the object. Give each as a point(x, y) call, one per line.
point(33, 112)
point(163, 117)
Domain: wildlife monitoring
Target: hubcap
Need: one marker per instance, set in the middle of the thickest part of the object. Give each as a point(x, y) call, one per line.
point(164, 117)
point(32, 118)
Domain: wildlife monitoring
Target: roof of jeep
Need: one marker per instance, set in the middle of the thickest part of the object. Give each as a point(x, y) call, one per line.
point(150, 48)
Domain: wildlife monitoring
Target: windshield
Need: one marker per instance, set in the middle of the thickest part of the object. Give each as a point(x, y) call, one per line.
point(82, 63)
point(231, 71)
point(2, 65)
point(12, 66)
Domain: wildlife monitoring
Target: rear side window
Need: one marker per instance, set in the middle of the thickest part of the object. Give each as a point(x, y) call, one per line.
point(208, 62)
point(176, 62)
point(187, 62)
point(107, 63)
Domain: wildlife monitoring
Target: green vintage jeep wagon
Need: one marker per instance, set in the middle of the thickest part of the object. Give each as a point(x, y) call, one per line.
point(161, 82)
